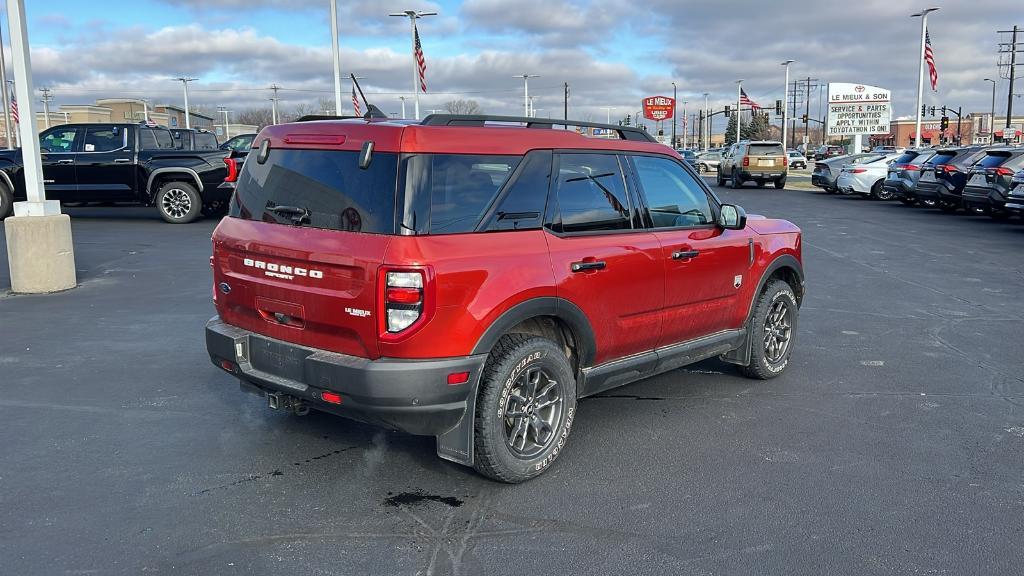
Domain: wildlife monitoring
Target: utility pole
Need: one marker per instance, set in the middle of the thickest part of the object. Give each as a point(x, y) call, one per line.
point(227, 122)
point(274, 100)
point(608, 113)
point(565, 105)
point(785, 86)
point(684, 123)
point(336, 55)
point(1010, 47)
point(184, 83)
point(674, 117)
point(992, 119)
point(526, 91)
point(47, 96)
point(7, 101)
point(413, 16)
point(706, 133)
point(807, 113)
point(920, 74)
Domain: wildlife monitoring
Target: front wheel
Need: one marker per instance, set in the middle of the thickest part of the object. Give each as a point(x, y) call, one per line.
point(6, 201)
point(525, 408)
point(178, 202)
point(735, 182)
point(719, 179)
point(771, 331)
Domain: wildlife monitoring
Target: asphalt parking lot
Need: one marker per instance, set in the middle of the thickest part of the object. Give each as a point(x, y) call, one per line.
point(892, 445)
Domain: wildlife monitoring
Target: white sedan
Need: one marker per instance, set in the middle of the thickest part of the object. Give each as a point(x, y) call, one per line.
point(866, 177)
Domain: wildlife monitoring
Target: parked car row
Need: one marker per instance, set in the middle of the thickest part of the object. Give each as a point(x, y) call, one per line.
point(978, 179)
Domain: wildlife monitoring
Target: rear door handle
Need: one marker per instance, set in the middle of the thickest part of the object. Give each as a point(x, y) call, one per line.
point(66, 161)
point(685, 254)
point(584, 266)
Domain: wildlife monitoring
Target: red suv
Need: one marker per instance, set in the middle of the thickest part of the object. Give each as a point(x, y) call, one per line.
point(471, 277)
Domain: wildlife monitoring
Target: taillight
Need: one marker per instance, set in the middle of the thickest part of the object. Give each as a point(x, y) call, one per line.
point(910, 167)
point(232, 165)
point(1001, 171)
point(857, 170)
point(746, 161)
point(947, 168)
point(403, 300)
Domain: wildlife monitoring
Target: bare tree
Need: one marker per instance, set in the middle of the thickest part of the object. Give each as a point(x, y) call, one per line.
point(326, 105)
point(258, 117)
point(204, 109)
point(301, 109)
point(463, 107)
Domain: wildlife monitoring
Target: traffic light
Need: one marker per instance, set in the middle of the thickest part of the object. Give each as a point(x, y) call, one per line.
point(804, 118)
point(932, 111)
point(728, 109)
point(629, 120)
point(778, 107)
point(943, 110)
point(944, 123)
point(922, 110)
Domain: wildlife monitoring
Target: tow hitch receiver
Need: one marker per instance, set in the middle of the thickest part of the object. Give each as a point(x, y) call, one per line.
point(279, 401)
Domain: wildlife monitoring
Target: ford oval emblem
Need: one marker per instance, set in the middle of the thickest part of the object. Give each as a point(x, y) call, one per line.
point(225, 288)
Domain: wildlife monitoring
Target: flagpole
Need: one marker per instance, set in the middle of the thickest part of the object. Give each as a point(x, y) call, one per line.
point(413, 16)
point(920, 75)
point(336, 55)
point(739, 89)
point(7, 101)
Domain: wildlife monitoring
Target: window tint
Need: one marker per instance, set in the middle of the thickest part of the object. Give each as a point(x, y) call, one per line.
point(591, 194)
point(458, 187)
point(327, 185)
point(59, 141)
point(239, 143)
point(993, 159)
point(906, 157)
point(922, 157)
point(206, 141)
point(163, 138)
point(522, 204)
point(147, 140)
point(674, 198)
point(103, 139)
point(765, 150)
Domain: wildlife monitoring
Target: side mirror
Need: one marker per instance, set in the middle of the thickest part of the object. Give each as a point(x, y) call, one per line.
point(732, 217)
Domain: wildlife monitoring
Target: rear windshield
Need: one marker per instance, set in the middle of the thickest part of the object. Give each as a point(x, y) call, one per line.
point(320, 189)
point(922, 158)
point(906, 158)
point(206, 141)
point(765, 150)
point(993, 159)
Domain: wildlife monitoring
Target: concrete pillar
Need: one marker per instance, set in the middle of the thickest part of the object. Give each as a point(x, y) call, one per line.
point(40, 253)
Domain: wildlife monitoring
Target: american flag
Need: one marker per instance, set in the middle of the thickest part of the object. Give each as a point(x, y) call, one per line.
point(421, 63)
point(14, 108)
point(929, 58)
point(355, 103)
point(744, 99)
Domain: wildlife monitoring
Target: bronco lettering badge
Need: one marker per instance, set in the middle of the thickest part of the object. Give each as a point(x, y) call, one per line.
point(281, 270)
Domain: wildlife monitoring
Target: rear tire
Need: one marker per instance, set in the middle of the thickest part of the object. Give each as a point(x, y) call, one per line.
point(948, 207)
point(878, 192)
point(178, 203)
point(772, 328)
point(524, 410)
point(6, 202)
point(780, 183)
point(734, 181)
point(718, 178)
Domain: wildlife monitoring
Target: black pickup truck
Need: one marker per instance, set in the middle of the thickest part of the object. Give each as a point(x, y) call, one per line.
point(129, 164)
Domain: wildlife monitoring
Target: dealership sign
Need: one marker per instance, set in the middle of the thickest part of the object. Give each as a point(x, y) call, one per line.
point(659, 107)
point(858, 109)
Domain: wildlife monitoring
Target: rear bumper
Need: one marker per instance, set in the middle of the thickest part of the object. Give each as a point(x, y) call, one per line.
point(900, 188)
point(927, 190)
point(983, 198)
point(822, 181)
point(408, 395)
point(762, 175)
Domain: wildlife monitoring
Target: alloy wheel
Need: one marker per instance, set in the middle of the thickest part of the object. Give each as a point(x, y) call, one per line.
point(777, 332)
point(532, 412)
point(176, 203)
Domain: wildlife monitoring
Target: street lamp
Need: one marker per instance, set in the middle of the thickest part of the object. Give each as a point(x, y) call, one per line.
point(413, 16)
point(706, 136)
point(785, 97)
point(227, 122)
point(920, 73)
point(674, 116)
point(184, 82)
point(608, 113)
point(402, 98)
point(526, 91)
point(992, 120)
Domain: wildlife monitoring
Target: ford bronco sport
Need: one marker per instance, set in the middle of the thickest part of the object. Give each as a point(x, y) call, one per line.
point(471, 277)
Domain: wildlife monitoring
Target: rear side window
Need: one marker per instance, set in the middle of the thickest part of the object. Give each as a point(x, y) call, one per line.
point(206, 141)
point(765, 150)
point(147, 139)
point(163, 138)
point(591, 194)
point(450, 193)
point(320, 189)
point(521, 205)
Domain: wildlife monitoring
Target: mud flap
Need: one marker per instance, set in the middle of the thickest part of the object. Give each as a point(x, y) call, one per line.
point(456, 445)
point(741, 354)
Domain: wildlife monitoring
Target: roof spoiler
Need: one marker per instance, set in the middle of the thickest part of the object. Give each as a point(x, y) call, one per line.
point(625, 132)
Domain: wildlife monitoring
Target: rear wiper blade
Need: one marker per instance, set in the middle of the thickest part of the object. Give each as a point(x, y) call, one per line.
point(297, 213)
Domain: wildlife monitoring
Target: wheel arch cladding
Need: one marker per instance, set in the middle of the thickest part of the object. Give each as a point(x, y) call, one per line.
point(786, 268)
point(564, 311)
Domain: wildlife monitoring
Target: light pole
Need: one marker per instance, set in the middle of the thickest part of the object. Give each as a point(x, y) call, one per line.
point(992, 118)
point(608, 113)
point(684, 124)
point(227, 124)
point(336, 53)
point(674, 116)
point(785, 103)
point(920, 74)
point(273, 102)
point(184, 82)
point(413, 16)
point(526, 91)
point(739, 90)
point(707, 120)
point(402, 98)
point(7, 102)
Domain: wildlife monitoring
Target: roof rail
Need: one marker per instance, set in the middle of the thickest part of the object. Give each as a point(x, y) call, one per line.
point(624, 132)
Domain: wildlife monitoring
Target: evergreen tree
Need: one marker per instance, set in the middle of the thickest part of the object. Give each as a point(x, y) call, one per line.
point(730, 131)
point(757, 129)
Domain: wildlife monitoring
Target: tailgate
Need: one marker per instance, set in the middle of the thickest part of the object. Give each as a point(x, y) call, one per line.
point(307, 286)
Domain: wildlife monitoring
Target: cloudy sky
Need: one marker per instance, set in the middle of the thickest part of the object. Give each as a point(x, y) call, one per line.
point(612, 52)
